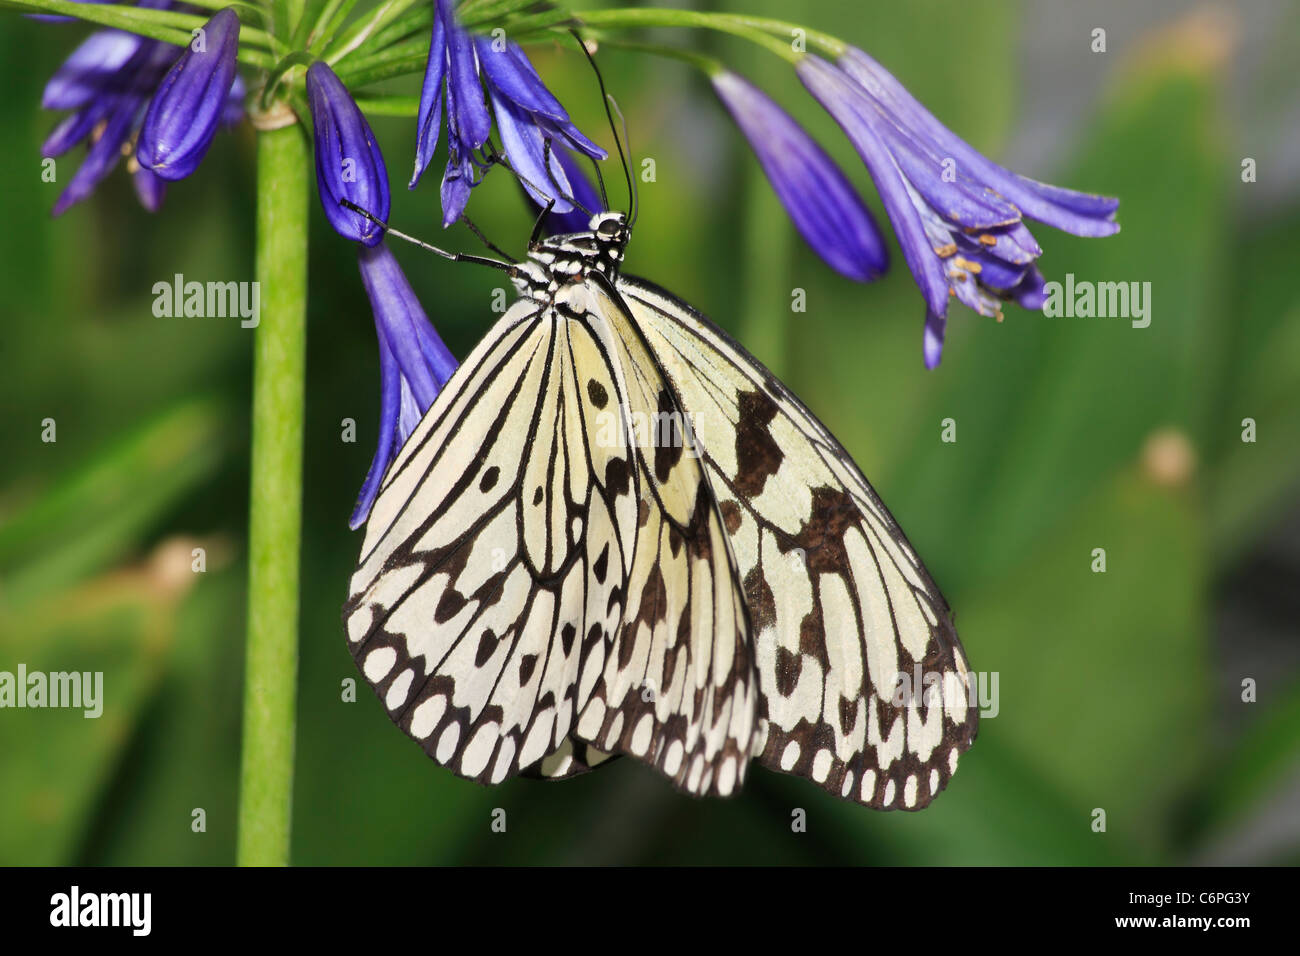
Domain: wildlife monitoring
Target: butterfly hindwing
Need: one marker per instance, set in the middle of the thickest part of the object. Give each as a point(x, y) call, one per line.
point(679, 689)
point(839, 601)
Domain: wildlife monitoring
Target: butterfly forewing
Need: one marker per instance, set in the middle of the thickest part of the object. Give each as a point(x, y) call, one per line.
point(486, 595)
point(839, 601)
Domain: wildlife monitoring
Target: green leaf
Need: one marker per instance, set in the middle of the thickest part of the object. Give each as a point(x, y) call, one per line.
point(1097, 671)
point(118, 627)
point(96, 514)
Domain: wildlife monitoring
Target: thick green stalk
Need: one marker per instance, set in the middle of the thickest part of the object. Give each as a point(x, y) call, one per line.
point(275, 506)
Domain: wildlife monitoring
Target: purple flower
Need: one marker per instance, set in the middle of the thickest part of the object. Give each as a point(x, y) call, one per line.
point(349, 164)
point(586, 198)
point(825, 209)
point(958, 215)
point(108, 82)
point(528, 117)
point(185, 112)
point(414, 364)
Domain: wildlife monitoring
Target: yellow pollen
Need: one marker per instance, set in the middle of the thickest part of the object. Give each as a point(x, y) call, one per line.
point(987, 240)
point(943, 252)
point(972, 267)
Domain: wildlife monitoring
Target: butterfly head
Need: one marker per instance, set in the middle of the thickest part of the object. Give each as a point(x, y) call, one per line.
point(566, 259)
point(611, 233)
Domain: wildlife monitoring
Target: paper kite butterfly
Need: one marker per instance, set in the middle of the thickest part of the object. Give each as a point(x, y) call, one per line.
point(616, 533)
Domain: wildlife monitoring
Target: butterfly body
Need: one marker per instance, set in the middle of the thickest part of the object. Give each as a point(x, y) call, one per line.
point(616, 533)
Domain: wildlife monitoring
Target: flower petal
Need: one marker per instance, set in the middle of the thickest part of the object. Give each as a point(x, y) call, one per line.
point(932, 341)
point(824, 207)
point(467, 112)
point(414, 363)
point(92, 69)
point(525, 148)
point(185, 111)
point(72, 129)
point(588, 200)
point(853, 110)
point(457, 181)
point(349, 164)
point(1082, 214)
point(390, 386)
point(429, 124)
point(423, 359)
point(103, 154)
point(510, 72)
point(150, 188)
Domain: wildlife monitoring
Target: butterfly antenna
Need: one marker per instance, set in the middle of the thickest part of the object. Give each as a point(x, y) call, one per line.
point(607, 100)
point(631, 180)
point(452, 256)
point(486, 241)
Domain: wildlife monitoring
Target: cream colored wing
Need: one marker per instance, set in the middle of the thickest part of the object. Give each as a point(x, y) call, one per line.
point(493, 574)
point(865, 687)
point(679, 687)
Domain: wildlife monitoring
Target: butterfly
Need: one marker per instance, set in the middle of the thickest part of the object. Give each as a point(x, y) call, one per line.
point(615, 533)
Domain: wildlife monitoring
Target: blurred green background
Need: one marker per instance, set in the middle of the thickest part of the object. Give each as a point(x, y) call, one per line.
point(1120, 691)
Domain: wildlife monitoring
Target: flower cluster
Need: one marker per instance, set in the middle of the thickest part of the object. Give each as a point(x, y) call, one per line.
point(142, 99)
point(531, 121)
point(959, 216)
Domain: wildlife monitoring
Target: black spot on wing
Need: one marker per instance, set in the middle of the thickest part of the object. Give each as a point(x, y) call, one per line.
point(757, 454)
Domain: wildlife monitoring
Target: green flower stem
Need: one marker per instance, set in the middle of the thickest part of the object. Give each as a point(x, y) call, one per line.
point(763, 31)
point(275, 506)
point(707, 65)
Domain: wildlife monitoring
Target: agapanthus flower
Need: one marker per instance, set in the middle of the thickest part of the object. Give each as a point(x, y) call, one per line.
point(528, 117)
point(586, 198)
point(108, 81)
point(191, 99)
point(414, 364)
point(958, 215)
point(824, 207)
point(349, 164)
